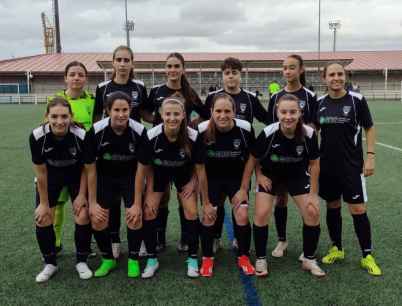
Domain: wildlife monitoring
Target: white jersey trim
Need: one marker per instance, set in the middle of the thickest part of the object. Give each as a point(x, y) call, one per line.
point(136, 126)
point(308, 130)
point(192, 134)
point(155, 131)
point(250, 93)
point(245, 125)
point(104, 83)
point(356, 95)
point(158, 85)
point(139, 82)
point(41, 131)
point(321, 99)
point(271, 129)
point(80, 133)
point(215, 92)
point(202, 127)
point(312, 93)
point(101, 125)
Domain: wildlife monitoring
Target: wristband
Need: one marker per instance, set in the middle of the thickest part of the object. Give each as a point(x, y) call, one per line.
point(372, 153)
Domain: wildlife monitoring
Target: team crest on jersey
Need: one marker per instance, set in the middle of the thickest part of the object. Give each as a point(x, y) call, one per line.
point(302, 104)
point(299, 150)
point(134, 94)
point(346, 110)
point(236, 143)
point(243, 107)
point(73, 151)
point(182, 154)
point(131, 147)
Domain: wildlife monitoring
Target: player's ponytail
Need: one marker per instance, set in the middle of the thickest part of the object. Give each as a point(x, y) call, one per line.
point(189, 94)
point(302, 76)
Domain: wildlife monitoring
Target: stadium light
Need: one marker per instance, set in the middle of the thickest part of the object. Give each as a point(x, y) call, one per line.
point(128, 26)
point(334, 25)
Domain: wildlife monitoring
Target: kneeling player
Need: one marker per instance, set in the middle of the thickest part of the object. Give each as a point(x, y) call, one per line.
point(58, 157)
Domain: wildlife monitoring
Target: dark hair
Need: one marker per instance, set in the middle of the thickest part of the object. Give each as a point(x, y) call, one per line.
point(182, 137)
point(210, 133)
point(128, 49)
point(231, 63)
point(117, 95)
point(189, 94)
point(299, 132)
point(301, 64)
point(324, 71)
point(74, 64)
point(59, 101)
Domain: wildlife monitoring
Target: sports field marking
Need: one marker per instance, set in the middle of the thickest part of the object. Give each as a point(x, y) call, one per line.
point(388, 146)
point(250, 291)
point(388, 123)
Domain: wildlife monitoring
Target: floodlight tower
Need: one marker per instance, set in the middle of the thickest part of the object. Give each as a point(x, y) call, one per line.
point(334, 25)
point(128, 26)
point(57, 25)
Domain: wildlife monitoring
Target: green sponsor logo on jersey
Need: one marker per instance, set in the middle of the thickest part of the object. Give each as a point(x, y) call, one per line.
point(210, 153)
point(157, 162)
point(322, 120)
point(107, 156)
point(274, 158)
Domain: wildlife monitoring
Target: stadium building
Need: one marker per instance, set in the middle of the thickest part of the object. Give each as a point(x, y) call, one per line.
point(378, 73)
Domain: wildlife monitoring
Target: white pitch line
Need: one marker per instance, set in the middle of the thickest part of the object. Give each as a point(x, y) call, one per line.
point(388, 123)
point(388, 146)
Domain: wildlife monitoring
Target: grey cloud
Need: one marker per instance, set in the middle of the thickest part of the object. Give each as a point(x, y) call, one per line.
point(210, 25)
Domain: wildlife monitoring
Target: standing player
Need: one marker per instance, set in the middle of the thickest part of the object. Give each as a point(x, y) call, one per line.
point(228, 141)
point(295, 76)
point(122, 80)
point(175, 152)
point(287, 152)
point(116, 143)
point(57, 155)
point(82, 104)
point(248, 107)
point(341, 117)
point(177, 83)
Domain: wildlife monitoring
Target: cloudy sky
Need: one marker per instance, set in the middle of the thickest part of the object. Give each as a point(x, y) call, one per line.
point(207, 25)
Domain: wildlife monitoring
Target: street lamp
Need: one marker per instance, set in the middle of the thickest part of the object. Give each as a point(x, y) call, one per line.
point(29, 76)
point(334, 25)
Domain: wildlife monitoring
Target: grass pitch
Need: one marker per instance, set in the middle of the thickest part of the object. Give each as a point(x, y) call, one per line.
point(346, 283)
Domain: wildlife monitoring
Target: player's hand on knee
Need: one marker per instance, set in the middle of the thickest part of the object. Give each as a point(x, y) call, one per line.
point(209, 213)
point(43, 214)
point(79, 203)
point(134, 215)
point(189, 188)
point(98, 213)
point(264, 182)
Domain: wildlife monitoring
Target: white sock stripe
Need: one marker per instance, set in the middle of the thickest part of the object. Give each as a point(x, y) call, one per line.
point(363, 179)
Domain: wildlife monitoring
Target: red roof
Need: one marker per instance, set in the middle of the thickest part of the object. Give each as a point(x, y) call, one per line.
point(362, 60)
